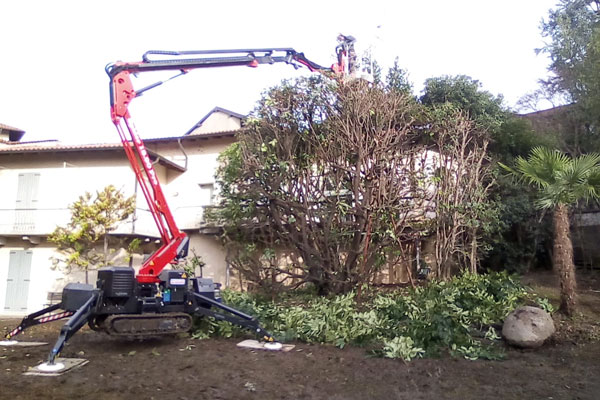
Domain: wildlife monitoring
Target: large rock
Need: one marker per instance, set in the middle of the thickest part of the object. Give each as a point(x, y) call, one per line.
point(528, 327)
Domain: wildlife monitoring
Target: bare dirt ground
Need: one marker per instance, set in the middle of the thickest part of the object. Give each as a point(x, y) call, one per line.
point(182, 368)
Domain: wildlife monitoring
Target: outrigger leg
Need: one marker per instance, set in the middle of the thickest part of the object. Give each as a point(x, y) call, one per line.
point(238, 318)
point(79, 302)
point(79, 318)
point(38, 318)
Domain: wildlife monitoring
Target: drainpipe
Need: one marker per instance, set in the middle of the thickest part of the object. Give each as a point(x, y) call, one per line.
point(183, 151)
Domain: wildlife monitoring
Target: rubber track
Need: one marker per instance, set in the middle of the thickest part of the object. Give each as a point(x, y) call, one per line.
point(147, 324)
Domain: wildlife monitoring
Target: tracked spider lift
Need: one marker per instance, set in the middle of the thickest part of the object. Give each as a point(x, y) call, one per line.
point(156, 300)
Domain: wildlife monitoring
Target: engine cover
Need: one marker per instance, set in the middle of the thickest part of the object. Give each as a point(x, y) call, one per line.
point(175, 285)
point(116, 281)
point(75, 295)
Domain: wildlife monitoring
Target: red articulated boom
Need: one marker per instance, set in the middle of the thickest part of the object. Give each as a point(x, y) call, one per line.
point(157, 300)
point(174, 242)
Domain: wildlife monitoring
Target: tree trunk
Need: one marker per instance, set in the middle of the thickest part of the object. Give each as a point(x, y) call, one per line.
point(563, 259)
point(105, 247)
point(473, 255)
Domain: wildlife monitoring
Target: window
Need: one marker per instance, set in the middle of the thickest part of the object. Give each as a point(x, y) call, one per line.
point(27, 202)
point(207, 194)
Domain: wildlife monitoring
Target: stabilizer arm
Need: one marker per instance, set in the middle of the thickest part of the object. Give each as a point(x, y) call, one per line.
point(79, 318)
point(238, 318)
point(38, 318)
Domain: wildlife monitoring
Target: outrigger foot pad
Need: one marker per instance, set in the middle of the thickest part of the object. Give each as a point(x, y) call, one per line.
point(275, 346)
point(59, 367)
point(20, 343)
point(46, 367)
point(272, 346)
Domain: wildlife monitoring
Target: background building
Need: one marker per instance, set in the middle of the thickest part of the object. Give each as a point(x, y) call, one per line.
point(40, 179)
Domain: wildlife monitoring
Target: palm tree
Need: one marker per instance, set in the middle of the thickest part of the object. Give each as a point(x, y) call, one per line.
point(561, 182)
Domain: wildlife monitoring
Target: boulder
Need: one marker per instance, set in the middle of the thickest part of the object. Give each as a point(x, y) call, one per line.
point(528, 327)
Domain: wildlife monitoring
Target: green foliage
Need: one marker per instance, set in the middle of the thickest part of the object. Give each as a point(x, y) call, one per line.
point(466, 219)
point(397, 79)
point(523, 231)
point(92, 218)
point(544, 304)
point(519, 241)
point(401, 347)
point(447, 314)
point(516, 138)
point(465, 93)
point(134, 246)
point(559, 178)
point(191, 264)
point(454, 316)
point(511, 234)
point(574, 49)
point(572, 30)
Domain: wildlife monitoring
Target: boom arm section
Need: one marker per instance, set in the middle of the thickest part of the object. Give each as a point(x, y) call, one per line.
point(174, 242)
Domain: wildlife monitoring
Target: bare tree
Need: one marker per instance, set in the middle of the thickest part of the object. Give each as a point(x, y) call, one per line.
point(339, 176)
point(462, 181)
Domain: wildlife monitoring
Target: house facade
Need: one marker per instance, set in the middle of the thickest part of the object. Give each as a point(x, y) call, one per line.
point(41, 179)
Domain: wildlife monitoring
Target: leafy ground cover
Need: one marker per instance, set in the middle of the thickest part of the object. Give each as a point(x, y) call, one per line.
point(460, 316)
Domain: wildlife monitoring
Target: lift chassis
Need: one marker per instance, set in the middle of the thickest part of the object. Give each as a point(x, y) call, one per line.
point(158, 301)
point(119, 305)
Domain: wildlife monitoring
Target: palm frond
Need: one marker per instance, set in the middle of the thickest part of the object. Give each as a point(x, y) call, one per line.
point(559, 178)
point(592, 184)
point(579, 169)
point(507, 168)
point(527, 172)
point(545, 202)
point(541, 166)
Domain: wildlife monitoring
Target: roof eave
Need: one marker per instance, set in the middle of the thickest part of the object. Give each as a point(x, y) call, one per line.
point(117, 148)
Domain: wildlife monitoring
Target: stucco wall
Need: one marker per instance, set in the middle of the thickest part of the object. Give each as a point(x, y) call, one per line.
point(187, 193)
point(211, 252)
point(61, 182)
point(218, 121)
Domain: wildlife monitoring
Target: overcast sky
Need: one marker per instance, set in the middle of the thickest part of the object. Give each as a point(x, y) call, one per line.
point(53, 53)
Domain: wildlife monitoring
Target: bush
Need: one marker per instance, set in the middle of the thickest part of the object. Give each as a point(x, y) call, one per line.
point(456, 316)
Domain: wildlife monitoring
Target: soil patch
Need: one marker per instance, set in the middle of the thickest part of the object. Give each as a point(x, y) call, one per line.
point(183, 368)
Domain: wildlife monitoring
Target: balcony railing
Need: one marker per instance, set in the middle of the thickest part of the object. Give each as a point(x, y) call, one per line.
point(32, 221)
point(42, 222)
